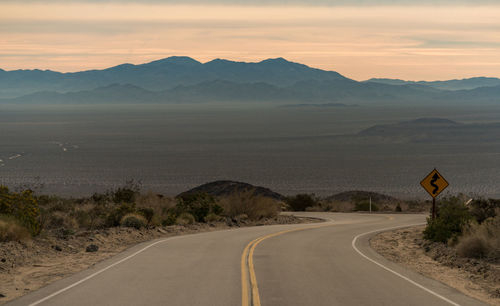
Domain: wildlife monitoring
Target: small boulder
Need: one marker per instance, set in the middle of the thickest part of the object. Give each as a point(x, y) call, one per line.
point(57, 248)
point(92, 248)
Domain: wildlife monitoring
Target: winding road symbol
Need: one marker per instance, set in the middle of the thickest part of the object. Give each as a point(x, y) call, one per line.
point(434, 183)
point(435, 177)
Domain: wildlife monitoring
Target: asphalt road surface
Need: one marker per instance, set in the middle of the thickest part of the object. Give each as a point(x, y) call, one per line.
point(327, 263)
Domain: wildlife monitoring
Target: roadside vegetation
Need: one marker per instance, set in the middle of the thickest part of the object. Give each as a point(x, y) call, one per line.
point(354, 201)
point(24, 215)
point(471, 229)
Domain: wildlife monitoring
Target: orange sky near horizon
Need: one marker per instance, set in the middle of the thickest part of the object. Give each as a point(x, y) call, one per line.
point(360, 42)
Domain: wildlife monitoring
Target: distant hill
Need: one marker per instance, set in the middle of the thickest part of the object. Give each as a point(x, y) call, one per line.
point(114, 93)
point(161, 75)
point(185, 80)
point(433, 130)
point(464, 84)
point(319, 93)
point(226, 188)
point(324, 93)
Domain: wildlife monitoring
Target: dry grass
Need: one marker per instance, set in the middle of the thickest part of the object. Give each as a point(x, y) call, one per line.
point(12, 230)
point(246, 203)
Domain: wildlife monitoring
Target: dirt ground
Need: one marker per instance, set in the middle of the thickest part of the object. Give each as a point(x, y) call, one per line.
point(476, 278)
point(30, 265)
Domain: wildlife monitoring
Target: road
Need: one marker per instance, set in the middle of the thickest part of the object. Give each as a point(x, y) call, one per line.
point(327, 263)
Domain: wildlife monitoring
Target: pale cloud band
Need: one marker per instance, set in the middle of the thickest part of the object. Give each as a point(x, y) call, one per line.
point(411, 42)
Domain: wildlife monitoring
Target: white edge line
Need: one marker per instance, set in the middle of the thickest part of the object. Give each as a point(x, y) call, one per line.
point(394, 272)
point(98, 272)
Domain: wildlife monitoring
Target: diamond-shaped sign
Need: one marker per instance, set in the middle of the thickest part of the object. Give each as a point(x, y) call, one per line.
point(434, 183)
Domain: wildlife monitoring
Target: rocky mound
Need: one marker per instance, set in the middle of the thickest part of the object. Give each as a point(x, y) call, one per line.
point(225, 188)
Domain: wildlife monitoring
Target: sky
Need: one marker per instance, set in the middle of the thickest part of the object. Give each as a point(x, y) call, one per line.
point(361, 39)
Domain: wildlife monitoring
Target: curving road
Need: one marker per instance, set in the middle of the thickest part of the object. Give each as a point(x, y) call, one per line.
point(326, 263)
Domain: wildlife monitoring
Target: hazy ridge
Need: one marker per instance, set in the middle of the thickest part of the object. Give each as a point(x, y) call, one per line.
point(185, 80)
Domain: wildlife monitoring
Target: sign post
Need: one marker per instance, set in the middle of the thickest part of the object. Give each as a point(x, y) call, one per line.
point(434, 183)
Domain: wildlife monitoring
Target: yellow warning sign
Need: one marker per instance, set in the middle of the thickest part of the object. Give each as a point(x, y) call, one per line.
point(434, 183)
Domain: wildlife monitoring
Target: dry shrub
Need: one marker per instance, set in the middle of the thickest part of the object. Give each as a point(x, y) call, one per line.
point(59, 220)
point(12, 230)
point(160, 205)
point(133, 220)
point(211, 217)
point(481, 240)
point(185, 219)
point(254, 206)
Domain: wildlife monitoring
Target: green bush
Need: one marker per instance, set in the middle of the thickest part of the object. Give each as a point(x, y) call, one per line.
point(100, 198)
point(300, 202)
point(169, 219)
point(452, 217)
point(23, 206)
point(482, 209)
point(12, 230)
point(133, 220)
point(115, 216)
point(126, 194)
point(147, 213)
point(199, 205)
point(185, 218)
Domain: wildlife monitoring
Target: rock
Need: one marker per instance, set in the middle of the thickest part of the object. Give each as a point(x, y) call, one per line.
point(92, 248)
point(57, 248)
point(3, 260)
point(2, 295)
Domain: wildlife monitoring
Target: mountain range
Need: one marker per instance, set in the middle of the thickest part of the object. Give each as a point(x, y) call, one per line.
point(185, 80)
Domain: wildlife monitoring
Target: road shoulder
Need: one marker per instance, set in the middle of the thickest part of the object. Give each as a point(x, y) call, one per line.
point(405, 247)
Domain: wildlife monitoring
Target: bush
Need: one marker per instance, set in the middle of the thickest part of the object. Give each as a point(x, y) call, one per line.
point(185, 218)
point(12, 230)
point(199, 205)
point(481, 240)
point(364, 205)
point(60, 220)
point(115, 216)
point(127, 193)
point(170, 219)
point(133, 220)
point(23, 206)
point(211, 217)
point(247, 203)
point(452, 217)
point(482, 209)
point(398, 208)
point(302, 201)
point(472, 246)
point(147, 213)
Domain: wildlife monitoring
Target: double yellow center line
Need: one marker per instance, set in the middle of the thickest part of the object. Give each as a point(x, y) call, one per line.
point(248, 271)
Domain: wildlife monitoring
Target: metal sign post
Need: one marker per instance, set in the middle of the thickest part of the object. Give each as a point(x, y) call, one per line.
point(434, 183)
